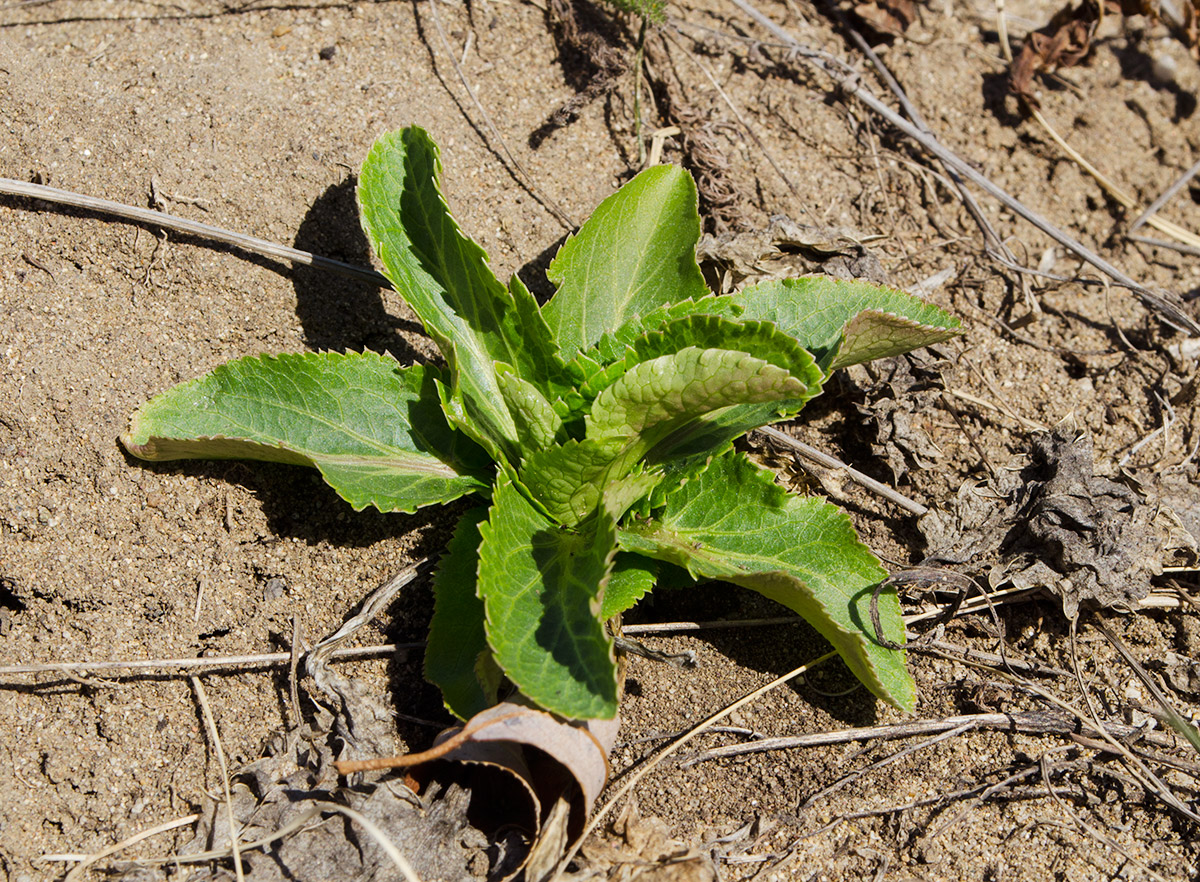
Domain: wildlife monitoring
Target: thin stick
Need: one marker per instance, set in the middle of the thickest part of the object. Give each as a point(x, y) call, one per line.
point(650, 764)
point(266, 659)
point(166, 221)
point(853, 776)
point(87, 861)
point(389, 848)
point(993, 242)
point(534, 190)
point(1165, 197)
point(215, 735)
point(848, 79)
point(1028, 722)
point(832, 462)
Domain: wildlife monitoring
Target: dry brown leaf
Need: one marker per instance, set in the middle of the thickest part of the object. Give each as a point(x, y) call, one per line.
point(1067, 39)
point(891, 17)
point(527, 762)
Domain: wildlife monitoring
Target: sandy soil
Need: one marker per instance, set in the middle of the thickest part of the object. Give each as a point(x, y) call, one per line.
point(255, 117)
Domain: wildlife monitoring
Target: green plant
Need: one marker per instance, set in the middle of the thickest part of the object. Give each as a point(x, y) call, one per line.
point(598, 427)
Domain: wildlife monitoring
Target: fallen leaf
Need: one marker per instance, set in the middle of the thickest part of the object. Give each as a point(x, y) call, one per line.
point(891, 17)
point(1067, 39)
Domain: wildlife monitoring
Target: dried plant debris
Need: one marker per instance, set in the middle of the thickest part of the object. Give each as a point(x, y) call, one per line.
point(899, 394)
point(786, 249)
point(1057, 524)
point(592, 55)
point(294, 787)
point(507, 800)
point(888, 17)
point(642, 849)
point(1067, 39)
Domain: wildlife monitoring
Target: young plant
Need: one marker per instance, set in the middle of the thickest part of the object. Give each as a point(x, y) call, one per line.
point(597, 430)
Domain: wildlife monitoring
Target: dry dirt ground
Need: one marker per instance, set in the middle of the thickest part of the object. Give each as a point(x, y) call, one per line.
point(255, 116)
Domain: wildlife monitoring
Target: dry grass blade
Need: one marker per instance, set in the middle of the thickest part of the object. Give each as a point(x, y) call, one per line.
point(712, 80)
point(526, 179)
point(1108, 841)
point(215, 735)
point(85, 862)
point(1172, 717)
point(1187, 237)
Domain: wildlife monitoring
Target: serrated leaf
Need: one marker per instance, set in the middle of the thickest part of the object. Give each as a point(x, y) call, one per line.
point(614, 346)
point(632, 578)
point(660, 403)
point(735, 524)
point(635, 253)
point(704, 331)
point(541, 586)
point(456, 637)
point(444, 277)
point(570, 479)
point(537, 424)
point(685, 406)
point(374, 429)
point(820, 312)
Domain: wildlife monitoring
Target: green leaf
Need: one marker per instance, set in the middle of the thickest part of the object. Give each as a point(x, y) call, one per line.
point(444, 276)
point(537, 424)
point(847, 322)
point(374, 429)
point(761, 339)
point(661, 404)
point(456, 637)
point(683, 406)
point(570, 479)
point(541, 586)
point(735, 524)
point(614, 346)
point(632, 578)
point(635, 253)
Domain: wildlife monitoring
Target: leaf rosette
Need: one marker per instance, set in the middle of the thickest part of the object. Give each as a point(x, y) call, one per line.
point(597, 429)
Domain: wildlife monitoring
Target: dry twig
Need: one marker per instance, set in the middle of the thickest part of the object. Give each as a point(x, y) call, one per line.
point(195, 228)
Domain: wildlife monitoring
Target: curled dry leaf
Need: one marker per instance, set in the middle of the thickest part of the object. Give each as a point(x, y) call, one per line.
point(1067, 39)
point(525, 764)
point(890, 17)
